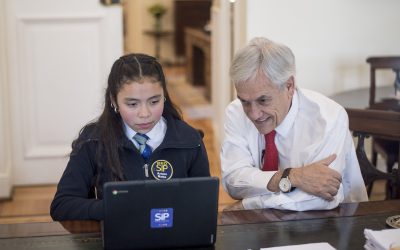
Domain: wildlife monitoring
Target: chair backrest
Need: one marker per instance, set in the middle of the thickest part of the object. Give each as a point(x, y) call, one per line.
point(385, 124)
point(389, 62)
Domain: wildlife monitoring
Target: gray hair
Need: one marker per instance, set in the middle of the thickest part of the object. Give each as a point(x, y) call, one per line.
point(275, 60)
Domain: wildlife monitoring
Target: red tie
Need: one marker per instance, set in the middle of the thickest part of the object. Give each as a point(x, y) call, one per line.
point(271, 157)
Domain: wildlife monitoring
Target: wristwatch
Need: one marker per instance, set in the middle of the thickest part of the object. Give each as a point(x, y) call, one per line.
point(284, 184)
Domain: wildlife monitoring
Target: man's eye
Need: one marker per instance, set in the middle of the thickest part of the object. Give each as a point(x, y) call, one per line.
point(245, 103)
point(263, 101)
point(134, 104)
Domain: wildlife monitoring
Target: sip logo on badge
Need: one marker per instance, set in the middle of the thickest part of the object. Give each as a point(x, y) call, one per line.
point(161, 217)
point(162, 170)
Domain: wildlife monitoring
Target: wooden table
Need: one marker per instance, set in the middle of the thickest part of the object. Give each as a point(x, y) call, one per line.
point(388, 104)
point(342, 227)
point(158, 35)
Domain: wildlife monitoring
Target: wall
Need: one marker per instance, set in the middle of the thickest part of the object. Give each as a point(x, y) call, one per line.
point(137, 20)
point(5, 142)
point(331, 39)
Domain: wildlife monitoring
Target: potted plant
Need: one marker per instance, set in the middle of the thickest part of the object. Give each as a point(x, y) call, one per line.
point(157, 11)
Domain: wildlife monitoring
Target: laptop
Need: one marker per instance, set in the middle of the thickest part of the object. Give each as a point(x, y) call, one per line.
point(153, 214)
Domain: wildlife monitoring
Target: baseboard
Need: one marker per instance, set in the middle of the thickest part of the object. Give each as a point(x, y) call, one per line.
point(5, 186)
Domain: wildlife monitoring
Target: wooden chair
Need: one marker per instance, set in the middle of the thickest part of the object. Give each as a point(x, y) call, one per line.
point(376, 63)
point(386, 125)
point(386, 148)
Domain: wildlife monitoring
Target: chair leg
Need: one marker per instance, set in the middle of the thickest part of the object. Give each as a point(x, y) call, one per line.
point(374, 157)
point(389, 193)
point(369, 189)
point(389, 166)
point(390, 161)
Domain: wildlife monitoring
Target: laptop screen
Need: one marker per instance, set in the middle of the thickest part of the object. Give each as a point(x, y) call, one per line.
point(160, 214)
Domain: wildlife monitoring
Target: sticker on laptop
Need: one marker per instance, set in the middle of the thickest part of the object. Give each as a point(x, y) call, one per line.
point(161, 217)
point(162, 170)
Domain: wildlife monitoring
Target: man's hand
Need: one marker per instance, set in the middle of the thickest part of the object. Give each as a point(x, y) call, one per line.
point(317, 178)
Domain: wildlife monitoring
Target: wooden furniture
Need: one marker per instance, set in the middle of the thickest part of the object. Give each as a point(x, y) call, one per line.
point(342, 227)
point(198, 56)
point(376, 63)
point(382, 124)
point(158, 35)
point(388, 149)
point(189, 13)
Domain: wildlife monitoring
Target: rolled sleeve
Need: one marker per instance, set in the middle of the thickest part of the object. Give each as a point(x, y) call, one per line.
point(240, 154)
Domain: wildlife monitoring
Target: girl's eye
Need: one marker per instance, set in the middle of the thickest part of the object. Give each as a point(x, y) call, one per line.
point(134, 104)
point(153, 102)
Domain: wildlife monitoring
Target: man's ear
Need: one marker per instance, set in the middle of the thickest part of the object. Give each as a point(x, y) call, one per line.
point(290, 85)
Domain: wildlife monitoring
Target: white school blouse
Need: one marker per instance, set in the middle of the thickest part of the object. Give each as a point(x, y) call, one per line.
point(156, 134)
point(314, 128)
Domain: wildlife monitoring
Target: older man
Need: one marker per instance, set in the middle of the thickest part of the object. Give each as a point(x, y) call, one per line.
point(285, 147)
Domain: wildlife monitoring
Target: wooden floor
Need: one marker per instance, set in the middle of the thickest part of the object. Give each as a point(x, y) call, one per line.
point(31, 203)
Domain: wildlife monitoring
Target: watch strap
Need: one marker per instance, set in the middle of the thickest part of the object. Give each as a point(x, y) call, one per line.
point(285, 174)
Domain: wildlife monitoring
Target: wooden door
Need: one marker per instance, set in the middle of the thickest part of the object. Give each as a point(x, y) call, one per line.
point(59, 54)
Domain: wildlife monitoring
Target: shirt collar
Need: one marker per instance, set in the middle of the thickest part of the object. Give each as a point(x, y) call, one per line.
point(160, 127)
point(288, 122)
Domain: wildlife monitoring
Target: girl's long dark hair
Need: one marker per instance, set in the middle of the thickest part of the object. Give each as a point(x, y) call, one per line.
point(109, 128)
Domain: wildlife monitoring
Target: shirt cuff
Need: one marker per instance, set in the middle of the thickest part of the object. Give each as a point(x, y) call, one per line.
point(252, 203)
point(261, 180)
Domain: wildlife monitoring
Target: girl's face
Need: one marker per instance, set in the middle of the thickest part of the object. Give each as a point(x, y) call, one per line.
point(141, 104)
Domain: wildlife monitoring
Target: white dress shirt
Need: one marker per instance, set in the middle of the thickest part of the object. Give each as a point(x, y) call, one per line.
point(314, 128)
point(156, 134)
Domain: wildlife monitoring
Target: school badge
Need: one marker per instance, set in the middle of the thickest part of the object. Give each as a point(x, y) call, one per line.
point(162, 170)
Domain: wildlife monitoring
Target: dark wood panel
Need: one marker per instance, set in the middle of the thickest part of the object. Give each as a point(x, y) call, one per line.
point(382, 126)
point(198, 59)
point(384, 62)
point(189, 13)
point(275, 215)
point(341, 232)
point(371, 208)
point(375, 122)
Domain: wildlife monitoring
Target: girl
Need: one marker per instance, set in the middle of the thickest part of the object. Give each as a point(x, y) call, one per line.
point(139, 135)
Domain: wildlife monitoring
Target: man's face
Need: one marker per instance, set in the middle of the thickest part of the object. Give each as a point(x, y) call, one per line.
point(264, 103)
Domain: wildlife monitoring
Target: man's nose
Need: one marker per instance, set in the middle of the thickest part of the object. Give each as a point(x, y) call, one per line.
point(254, 111)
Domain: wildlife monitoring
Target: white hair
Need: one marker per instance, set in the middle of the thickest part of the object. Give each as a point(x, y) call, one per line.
point(275, 60)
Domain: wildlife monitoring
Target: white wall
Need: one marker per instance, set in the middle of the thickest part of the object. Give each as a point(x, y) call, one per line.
point(5, 142)
point(331, 39)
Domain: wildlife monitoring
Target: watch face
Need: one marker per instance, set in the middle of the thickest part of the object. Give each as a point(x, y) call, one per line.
point(285, 185)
